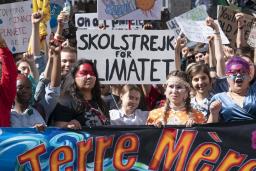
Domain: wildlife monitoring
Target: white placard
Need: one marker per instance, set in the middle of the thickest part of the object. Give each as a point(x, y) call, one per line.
point(90, 21)
point(134, 57)
point(15, 25)
point(197, 14)
point(198, 31)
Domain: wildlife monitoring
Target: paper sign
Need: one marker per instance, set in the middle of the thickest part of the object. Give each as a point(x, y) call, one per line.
point(129, 9)
point(15, 25)
point(134, 57)
point(227, 20)
point(252, 37)
point(90, 21)
point(196, 14)
point(198, 31)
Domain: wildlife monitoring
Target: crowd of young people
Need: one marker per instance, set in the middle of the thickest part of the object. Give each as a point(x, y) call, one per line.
point(209, 85)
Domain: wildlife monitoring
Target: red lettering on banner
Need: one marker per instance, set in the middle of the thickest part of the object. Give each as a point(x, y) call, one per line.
point(180, 149)
point(250, 165)
point(84, 148)
point(32, 156)
point(205, 152)
point(231, 159)
point(121, 148)
point(102, 144)
point(55, 161)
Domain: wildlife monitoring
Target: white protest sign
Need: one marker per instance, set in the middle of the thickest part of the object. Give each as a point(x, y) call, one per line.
point(197, 14)
point(15, 25)
point(133, 57)
point(252, 37)
point(90, 21)
point(129, 9)
point(198, 31)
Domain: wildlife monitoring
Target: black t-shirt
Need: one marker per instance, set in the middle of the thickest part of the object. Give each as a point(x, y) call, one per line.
point(91, 115)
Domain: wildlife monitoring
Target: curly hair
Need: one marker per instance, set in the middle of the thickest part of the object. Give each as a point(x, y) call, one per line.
point(76, 94)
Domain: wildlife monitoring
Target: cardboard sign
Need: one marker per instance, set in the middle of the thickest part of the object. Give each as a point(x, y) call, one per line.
point(129, 9)
point(227, 20)
point(252, 37)
point(90, 21)
point(15, 25)
point(133, 57)
point(198, 31)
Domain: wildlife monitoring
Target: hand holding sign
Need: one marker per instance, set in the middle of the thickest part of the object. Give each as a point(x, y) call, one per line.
point(61, 18)
point(210, 22)
point(240, 20)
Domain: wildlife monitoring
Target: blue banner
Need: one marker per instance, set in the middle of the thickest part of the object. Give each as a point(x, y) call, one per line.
point(210, 147)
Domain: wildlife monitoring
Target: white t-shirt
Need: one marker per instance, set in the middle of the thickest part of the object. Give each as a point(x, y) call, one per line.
point(118, 117)
point(28, 118)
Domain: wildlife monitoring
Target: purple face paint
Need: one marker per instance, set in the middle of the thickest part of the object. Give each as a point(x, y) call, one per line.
point(237, 71)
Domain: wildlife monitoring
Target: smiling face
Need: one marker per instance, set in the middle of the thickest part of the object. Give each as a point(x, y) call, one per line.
point(85, 77)
point(201, 83)
point(67, 61)
point(130, 101)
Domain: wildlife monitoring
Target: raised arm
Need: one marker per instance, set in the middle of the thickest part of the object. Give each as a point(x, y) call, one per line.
point(212, 58)
point(240, 39)
point(180, 43)
point(8, 74)
point(219, 54)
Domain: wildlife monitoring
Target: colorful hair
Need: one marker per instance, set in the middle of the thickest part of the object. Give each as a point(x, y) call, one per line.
point(237, 60)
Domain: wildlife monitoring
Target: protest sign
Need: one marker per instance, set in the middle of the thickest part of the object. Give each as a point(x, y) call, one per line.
point(134, 57)
point(216, 147)
point(197, 14)
point(129, 9)
point(227, 20)
point(198, 31)
point(15, 25)
point(252, 37)
point(90, 21)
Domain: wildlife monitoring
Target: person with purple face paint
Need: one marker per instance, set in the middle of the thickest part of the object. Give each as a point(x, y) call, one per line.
point(239, 103)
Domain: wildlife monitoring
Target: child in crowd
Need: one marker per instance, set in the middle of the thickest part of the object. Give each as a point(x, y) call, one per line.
point(201, 83)
point(177, 109)
point(129, 114)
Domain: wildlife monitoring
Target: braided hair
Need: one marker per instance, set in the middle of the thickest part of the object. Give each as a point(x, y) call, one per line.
point(182, 75)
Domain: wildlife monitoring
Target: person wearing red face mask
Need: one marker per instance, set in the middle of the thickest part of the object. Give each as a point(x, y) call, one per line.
point(239, 103)
point(8, 73)
point(81, 104)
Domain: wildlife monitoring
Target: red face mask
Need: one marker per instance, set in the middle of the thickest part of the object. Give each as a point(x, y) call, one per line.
point(84, 70)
